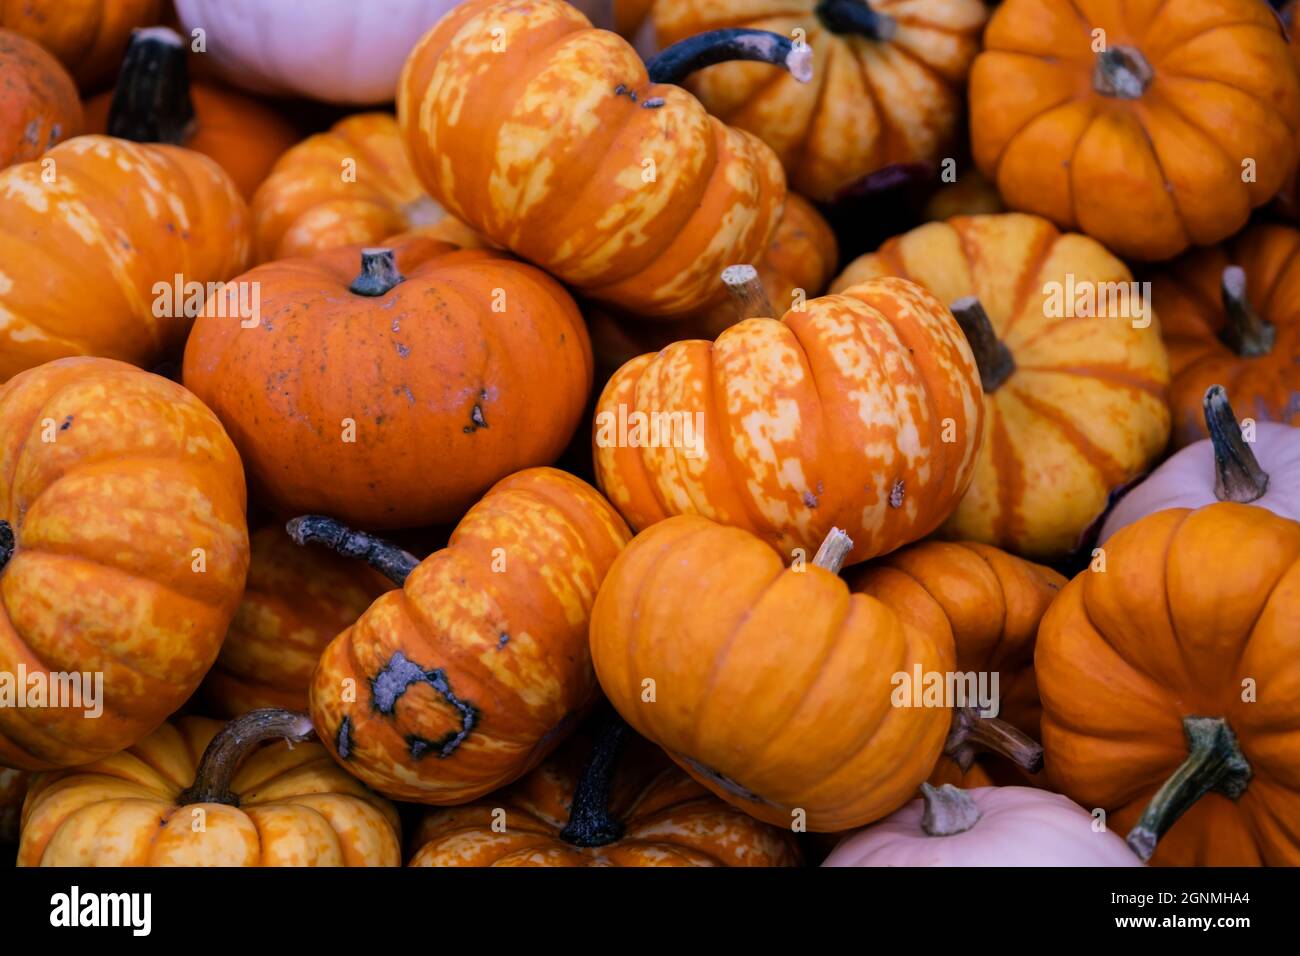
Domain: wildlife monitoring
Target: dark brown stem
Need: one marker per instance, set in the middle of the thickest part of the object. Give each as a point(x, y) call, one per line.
point(378, 273)
point(386, 558)
point(948, 810)
point(7, 543)
point(969, 733)
point(857, 18)
point(1247, 332)
point(235, 741)
point(1237, 474)
point(590, 823)
point(992, 357)
point(682, 59)
point(151, 103)
point(1214, 763)
point(1122, 72)
point(834, 551)
point(747, 292)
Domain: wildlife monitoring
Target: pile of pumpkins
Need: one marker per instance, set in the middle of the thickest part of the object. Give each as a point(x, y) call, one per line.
point(531, 475)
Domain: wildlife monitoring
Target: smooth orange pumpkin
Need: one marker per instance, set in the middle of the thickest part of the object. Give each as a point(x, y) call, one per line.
point(87, 36)
point(1150, 126)
point(38, 100)
point(123, 552)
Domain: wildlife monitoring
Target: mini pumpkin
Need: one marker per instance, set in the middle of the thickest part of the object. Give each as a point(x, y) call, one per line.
point(38, 101)
point(13, 789)
point(1070, 359)
point(123, 551)
point(1151, 127)
point(283, 804)
point(1167, 686)
point(414, 376)
point(87, 36)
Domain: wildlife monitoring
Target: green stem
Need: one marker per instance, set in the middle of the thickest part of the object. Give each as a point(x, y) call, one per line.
point(378, 273)
point(1122, 72)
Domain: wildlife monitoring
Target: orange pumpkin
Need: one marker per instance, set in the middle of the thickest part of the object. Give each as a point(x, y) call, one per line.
point(13, 789)
point(692, 638)
point(295, 602)
point(1231, 317)
point(92, 238)
point(1074, 384)
point(193, 793)
point(970, 195)
point(87, 36)
point(467, 677)
point(860, 411)
point(623, 188)
point(123, 551)
point(1168, 686)
point(38, 100)
point(888, 80)
point(1150, 126)
point(413, 385)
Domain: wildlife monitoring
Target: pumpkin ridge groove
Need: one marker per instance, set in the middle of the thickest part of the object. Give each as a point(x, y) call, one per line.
point(1101, 461)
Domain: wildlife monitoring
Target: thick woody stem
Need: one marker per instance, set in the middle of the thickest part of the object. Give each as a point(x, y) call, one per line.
point(386, 558)
point(1122, 72)
point(151, 103)
point(590, 823)
point(969, 733)
point(378, 273)
point(992, 357)
point(747, 292)
point(235, 741)
point(834, 551)
point(948, 810)
point(682, 59)
point(857, 18)
point(1247, 332)
point(1237, 474)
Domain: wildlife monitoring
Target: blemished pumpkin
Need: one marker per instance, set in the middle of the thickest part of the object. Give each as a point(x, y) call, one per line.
point(93, 231)
point(1165, 682)
point(296, 601)
point(571, 157)
point(860, 411)
point(599, 811)
point(404, 380)
point(470, 674)
point(1074, 387)
point(13, 789)
point(1149, 126)
point(1230, 316)
point(888, 80)
point(155, 102)
point(87, 36)
point(39, 107)
point(985, 826)
point(691, 636)
point(197, 793)
point(123, 552)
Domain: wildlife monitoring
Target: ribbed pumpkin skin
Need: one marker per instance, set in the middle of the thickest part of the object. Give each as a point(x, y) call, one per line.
point(830, 417)
point(13, 788)
point(296, 601)
point(1189, 303)
point(1148, 176)
point(296, 808)
point(511, 646)
point(1083, 413)
point(82, 254)
point(38, 100)
point(870, 103)
point(1190, 605)
point(106, 519)
point(710, 614)
point(548, 162)
point(88, 36)
point(447, 394)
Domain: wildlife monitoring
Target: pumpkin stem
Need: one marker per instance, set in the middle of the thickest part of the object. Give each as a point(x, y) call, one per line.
point(589, 821)
point(1214, 762)
point(1122, 72)
point(1237, 474)
point(856, 17)
point(378, 273)
point(1247, 333)
point(948, 811)
point(992, 357)
point(151, 103)
point(747, 292)
point(970, 733)
point(6, 543)
point(386, 558)
point(683, 58)
point(235, 741)
point(833, 552)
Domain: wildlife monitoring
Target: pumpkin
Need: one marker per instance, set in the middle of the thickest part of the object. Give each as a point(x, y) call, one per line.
point(87, 36)
point(38, 100)
point(1231, 317)
point(155, 102)
point(1070, 359)
point(1151, 127)
point(93, 232)
point(195, 793)
point(888, 81)
point(970, 195)
point(13, 788)
point(1222, 468)
point(414, 376)
point(1167, 683)
point(123, 552)
point(988, 826)
point(295, 602)
point(860, 411)
point(569, 814)
point(693, 637)
point(467, 677)
point(571, 157)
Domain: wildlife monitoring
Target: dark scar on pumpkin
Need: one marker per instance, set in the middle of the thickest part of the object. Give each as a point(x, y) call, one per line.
point(477, 421)
point(388, 686)
point(896, 495)
point(725, 782)
point(343, 742)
